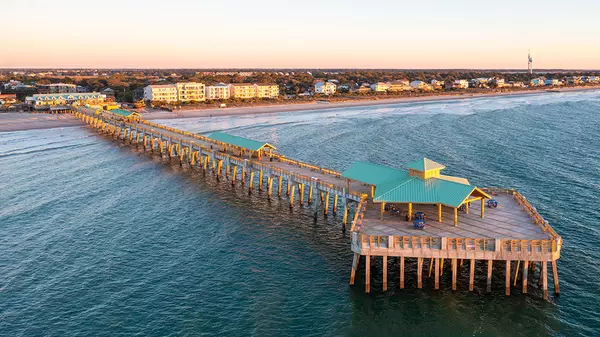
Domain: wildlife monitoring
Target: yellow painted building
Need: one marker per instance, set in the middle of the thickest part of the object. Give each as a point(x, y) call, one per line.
point(242, 90)
point(267, 90)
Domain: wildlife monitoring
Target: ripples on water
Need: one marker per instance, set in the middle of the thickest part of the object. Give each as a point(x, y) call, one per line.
point(100, 239)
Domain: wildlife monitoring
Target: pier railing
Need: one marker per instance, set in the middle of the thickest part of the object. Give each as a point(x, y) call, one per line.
point(431, 246)
point(359, 214)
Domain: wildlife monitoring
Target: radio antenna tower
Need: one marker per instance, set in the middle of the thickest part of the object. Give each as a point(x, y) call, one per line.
point(529, 62)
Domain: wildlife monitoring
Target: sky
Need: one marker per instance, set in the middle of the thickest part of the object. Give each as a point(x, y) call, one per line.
point(299, 34)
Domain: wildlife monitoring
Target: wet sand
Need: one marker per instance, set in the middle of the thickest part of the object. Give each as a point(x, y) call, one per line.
point(249, 110)
point(19, 121)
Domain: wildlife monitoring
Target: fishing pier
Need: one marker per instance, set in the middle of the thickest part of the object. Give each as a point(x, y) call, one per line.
point(414, 214)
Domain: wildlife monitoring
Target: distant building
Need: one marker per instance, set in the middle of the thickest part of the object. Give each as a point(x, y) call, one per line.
point(80, 88)
point(498, 82)
point(110, 93)
point(380, 87)
point(364, 89)
point(16, 85)
point(190, 92)
point(537, 82)
point(161, 93)
point(8, 99)
point(58, 88)
point(420, 85)
point(325, 88)
point(49, 101)
point(399, 86)
point(552, 82)
point(575, 80)
point(267, 90)
point(217, 91)
point(242, 90)
point(460, 84)
point(437, 84)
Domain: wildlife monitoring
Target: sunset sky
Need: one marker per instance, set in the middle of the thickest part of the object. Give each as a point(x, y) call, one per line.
point(294, 34)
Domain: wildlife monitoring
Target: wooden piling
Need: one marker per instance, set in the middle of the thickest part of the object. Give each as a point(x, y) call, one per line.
point(419, 272)
point(471, 274)
point(517, 273)
point(507, 277)
point(401, 272)
point(437, 273)
point(270, 188)
point(234, 175)
point(489, 276)
point(385, 270)
point(368, 273)
point(545, 279)
point(260, 180)
point(326, 210)
point(430, 267)
point(310, 194)
point(279, 186)
point(454, 267)
point(355, 261)
point(251, 182)
point(301, 190)
point(292, 196)
point(555, 278)
point(525, 272)
point(335, 202)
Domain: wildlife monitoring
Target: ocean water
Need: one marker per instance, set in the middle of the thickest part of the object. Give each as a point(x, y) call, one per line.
point(101, 239)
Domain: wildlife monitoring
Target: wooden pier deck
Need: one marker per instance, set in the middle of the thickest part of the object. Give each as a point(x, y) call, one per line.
point(512, 232)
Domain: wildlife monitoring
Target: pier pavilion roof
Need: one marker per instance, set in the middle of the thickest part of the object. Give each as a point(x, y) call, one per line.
point(124, 113)
point(421, 184)
point(373, 174)
point(241, 142)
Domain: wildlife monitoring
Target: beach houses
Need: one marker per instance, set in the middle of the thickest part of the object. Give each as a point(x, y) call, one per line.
point(438, 85)
point(460, 84)
point(397, 86)
point(8, 99)
point(217, 91)
point(380, 87)
point(534, 82)
point(552, 82)
point(56, 88)
point(60, 101)
point(325, 88)
point(420, 85)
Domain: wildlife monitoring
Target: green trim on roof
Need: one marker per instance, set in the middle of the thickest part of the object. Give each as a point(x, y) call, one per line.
point(121, 112)
point(425, 165)
point(239, 141)
point(373, 174)
point(430, 191)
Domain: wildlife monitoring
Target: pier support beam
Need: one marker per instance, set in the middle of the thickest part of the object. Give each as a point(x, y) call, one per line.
point(419, 272)
point(292, 196)
point(507, 277)
point(234, 175)
point(439, 208)
point(368, 273)
point(355, 261)
point(437, 273)
point(555, 278)
point(454, 267)
point(251, 182)
point(382, 211)
point(385, 270)
point(279, 186)
point(260, 180)
point(326, 210)
point(410, 211)
point(346, 209)
point(489, 276)
point(482, 207)
point(455, 217)
point(471, 274)
point(525, 272)
point(335, 202)
point(270, 187)
point(401, 272)
point(310, 194)
point(545, 279)
point(301, 191)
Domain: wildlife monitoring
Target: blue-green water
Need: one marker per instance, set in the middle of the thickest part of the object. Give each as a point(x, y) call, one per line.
point(98, 239)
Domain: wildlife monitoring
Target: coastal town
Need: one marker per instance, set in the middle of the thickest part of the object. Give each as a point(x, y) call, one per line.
point(26, 90)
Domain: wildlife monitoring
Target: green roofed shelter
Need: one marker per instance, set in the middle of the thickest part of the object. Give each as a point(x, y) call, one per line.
point(229, 140)
point(421, 184)
point(124, 113)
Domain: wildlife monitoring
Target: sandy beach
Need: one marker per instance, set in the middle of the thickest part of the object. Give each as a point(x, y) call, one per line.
point(19, 121)
point(162, 114)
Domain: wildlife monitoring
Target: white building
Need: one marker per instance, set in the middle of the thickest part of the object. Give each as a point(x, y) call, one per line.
point(380, 87)
point(325, 88)
point(217, 91)
point(58, 88)
point(552, 82)
point(461, 84)
point(161, 93)
point(420, 85)
point(437, 84)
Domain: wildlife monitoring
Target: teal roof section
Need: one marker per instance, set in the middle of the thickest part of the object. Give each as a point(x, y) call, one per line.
point(373, 174)
point(425, 165)
point(122, 112)
point(430, 191)
point(239, 141)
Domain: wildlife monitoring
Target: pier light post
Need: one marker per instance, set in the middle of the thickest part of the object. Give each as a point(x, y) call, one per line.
point(410, 211)
point(455, 217)
point(482, 207)
point(382, 210)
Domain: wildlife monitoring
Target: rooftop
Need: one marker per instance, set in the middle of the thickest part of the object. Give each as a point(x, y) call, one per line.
point(238, 141)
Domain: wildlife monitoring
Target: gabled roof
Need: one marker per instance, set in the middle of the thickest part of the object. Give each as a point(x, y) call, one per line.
point(424, 165)
point(373, 174)
point(239, 141)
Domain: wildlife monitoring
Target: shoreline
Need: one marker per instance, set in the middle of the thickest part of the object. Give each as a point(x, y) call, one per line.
point(22, 121)
point(279, 108)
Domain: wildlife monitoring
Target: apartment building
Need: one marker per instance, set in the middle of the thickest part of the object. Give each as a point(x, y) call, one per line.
point(48, 101)
point(190, 92)
point(217, 91)
point(57, 88)
point(380, 87)
point(325, 88)
point(242, 90)
point(267, 90)
point(161, 93)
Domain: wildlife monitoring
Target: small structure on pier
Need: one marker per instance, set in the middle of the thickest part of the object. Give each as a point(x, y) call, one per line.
point(244, 145)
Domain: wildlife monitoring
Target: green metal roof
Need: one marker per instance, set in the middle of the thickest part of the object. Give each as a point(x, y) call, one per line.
point(430, 191)
point(424, 165)
point(239, 141)
point(122, 112)
point(373, 174)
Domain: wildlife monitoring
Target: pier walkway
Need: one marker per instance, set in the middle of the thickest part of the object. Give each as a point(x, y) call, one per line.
point(383, 204)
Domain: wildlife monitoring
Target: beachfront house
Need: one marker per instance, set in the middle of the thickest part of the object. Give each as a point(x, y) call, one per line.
point(536, 82)
point(402, 85)
point(63, 101)
point(380, 87)
point(242, 90)
point(6, 99)
point(190, 92)
point(420, 85)
point(161, 93)
point(437, 84)
point(552, 82)
point(217, 91)
point(460, 84)
point(267, 90)
point(325, 88)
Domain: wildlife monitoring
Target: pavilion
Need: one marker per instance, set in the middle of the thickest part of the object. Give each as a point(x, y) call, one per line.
point(243, 145)
point(421, 184)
